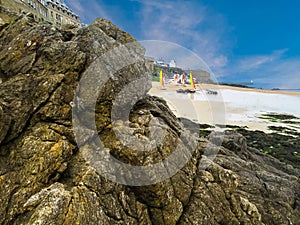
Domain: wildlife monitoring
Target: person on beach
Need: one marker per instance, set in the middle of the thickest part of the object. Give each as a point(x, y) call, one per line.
point(182, 80)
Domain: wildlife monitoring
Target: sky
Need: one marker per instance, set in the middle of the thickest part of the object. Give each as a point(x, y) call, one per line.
point(238, 41)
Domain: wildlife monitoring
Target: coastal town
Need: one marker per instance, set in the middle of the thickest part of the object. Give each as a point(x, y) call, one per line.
point(173, 72)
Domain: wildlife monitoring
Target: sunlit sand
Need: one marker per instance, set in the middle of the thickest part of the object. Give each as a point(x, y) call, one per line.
point(231, 106)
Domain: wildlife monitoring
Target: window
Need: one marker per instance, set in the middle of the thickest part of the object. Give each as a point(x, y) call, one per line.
point(58, 17)
point(43, 12)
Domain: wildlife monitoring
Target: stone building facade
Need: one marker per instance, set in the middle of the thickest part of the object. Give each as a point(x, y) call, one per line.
point(53, 11)
point(60, 13)
point(38, 8)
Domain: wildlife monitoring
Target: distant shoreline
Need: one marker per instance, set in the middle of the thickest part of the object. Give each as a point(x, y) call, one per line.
point(246, 86)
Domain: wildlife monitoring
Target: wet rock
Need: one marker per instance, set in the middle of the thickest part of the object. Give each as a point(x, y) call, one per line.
point(277, 145)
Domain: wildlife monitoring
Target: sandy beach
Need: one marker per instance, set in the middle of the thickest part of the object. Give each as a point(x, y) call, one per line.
point(231, 106)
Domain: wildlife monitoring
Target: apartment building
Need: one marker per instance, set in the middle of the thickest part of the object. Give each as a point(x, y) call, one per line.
point(39, 7)
point(53, 11)
point(59, 13)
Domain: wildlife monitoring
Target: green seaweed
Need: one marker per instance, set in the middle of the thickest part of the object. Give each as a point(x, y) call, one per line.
point(281, 116)
point(267, 151)
point(284, 130)
point(276, 117)
point(291, 122)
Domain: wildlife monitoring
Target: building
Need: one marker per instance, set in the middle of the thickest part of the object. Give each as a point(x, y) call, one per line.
point(160, 62)
point(59, 13)
point(201, 76)
point(52, 11)
point(39, 8)
point(172, 64)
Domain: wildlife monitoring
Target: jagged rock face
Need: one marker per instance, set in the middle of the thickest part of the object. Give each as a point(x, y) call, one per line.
point(45, 178)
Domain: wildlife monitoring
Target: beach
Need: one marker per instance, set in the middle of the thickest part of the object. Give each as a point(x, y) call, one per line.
point(234, 106)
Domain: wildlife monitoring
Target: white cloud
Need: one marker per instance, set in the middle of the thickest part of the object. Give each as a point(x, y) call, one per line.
point(156, 4)
point(89, 10)
point(268, 71)
point(205, 32)
point(249, 63)
point(286, 73)
point(187, 23)
point(184, 58)
point(76, 6)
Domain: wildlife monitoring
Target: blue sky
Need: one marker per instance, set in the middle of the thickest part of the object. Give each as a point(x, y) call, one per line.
point(240, 41)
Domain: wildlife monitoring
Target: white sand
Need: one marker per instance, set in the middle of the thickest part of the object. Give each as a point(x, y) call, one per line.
point(231, 106)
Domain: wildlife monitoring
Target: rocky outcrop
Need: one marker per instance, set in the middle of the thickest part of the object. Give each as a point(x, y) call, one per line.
point(49, 175)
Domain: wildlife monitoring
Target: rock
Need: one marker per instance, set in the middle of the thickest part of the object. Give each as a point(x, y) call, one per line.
point(57, 137)
point(277, 145)
point(52, 213)
point(5, 121)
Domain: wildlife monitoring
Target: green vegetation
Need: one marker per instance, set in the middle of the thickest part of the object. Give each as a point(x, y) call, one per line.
point(297, 156)
point(283, 147)
point(275, 117)
point(271, 119)
point(236, 128)
point(155, 78)
point(285, 130)
point(267, 151)
point(291, 122)
point(288, 119)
